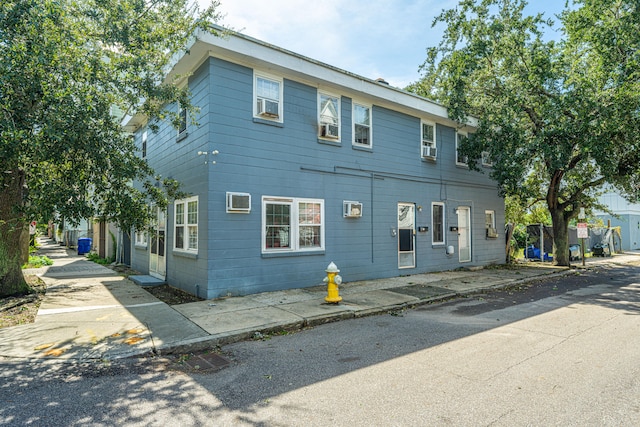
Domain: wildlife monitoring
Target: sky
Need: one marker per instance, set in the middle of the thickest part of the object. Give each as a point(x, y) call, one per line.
point(372, 38)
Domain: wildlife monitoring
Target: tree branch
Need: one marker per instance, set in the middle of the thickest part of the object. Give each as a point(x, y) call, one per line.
point(575, 196)
point(535, 119)
point(574, 161)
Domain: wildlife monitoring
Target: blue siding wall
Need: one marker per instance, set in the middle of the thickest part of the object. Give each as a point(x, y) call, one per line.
point(629, 229)
point(176, 158)
point(289, 160)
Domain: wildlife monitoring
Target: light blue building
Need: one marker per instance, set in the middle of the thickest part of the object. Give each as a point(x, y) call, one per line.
point(625, 215)
point(294, 164)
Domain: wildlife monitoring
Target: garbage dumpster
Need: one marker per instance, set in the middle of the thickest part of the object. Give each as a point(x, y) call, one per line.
point(84, 245)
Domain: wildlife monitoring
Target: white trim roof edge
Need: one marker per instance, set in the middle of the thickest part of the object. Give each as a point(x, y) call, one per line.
point(246, 50)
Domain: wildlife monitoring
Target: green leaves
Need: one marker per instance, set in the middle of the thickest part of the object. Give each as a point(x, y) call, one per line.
point(70, 71)
point(560, 118)
point(68, 67)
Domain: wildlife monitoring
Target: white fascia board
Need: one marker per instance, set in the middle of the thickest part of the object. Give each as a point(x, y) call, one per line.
point(256, 54)
point(253, 53)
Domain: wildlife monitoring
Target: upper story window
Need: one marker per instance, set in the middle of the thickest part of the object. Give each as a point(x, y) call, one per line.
point(182, 128)
point(460, 159)
point(267, 97)
point(428, 147)
point(292, 225)
point(437, 223)
point(144, 144)
point(486, 159)
point(329, 116)
point(186, 224)
point(361, 125)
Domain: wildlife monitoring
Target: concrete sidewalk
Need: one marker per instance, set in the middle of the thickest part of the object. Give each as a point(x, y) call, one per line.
point(90, 312)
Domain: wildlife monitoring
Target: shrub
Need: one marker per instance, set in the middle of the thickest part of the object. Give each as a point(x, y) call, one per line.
point(37, 261)
point(92, 256)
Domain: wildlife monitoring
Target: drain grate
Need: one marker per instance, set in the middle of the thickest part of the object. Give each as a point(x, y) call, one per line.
point(208, 362)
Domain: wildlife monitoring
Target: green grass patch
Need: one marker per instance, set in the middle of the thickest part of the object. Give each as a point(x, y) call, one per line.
point(92, 256)
point(37, 261)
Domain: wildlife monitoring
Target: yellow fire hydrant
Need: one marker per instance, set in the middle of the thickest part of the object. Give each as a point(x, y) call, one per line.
point(332, 280)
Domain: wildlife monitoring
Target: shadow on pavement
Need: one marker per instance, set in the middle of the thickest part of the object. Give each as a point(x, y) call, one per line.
point(153, 390)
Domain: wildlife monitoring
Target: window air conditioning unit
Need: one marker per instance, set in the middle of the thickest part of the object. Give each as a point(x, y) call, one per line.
point(492, 232)
point(329, 131)
point(238, 202)
point(267, 108)
point(429, 151)
point(352, 209)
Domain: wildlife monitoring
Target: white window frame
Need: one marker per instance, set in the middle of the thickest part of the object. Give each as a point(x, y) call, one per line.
point(491, 223)
point(294, 227)
point(322, 123)
point(486, 159)
point(426, 142)
point(144, 143)
point(182, 129)
point(182, 219)
point(433, 224)
point(465, 161)
point(369, 125)
point(280, 95)
point(140, 239)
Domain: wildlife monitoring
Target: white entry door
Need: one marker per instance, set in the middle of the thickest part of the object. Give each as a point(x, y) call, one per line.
point(464, 234)
point(406, 235)
point(157, 259)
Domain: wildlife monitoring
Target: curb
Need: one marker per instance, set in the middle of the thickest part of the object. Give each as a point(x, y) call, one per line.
point(205, 343)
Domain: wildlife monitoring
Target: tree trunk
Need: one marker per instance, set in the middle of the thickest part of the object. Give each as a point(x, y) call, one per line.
point(25, 239)
point(12, 227)
point(560, 238)
point(509, 248)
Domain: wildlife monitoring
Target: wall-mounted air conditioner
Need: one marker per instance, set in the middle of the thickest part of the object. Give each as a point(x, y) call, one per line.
point(329, 131)
point(352, 209)
point(492, 232)
point(238, 202)
point(429, 151)
point(267, 108)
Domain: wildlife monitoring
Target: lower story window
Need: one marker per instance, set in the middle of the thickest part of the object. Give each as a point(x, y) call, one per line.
point(490, 224)
point(141, 238)
point(292, 225)
point(490, 219)
point(186, 224)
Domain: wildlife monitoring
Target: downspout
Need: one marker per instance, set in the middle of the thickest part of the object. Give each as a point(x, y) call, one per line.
point(373, 177)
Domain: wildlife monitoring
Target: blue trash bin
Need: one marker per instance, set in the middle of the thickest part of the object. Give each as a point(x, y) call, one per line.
point(84, 245)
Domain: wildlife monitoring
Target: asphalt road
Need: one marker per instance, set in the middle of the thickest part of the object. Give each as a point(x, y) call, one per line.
point(561, 352)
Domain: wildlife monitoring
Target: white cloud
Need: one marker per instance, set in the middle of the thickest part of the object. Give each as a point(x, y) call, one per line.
point(372, 38)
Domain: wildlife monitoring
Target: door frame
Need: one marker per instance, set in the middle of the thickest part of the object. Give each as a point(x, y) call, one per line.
point(158, 243)
point(464, 234)
point(405, 231)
